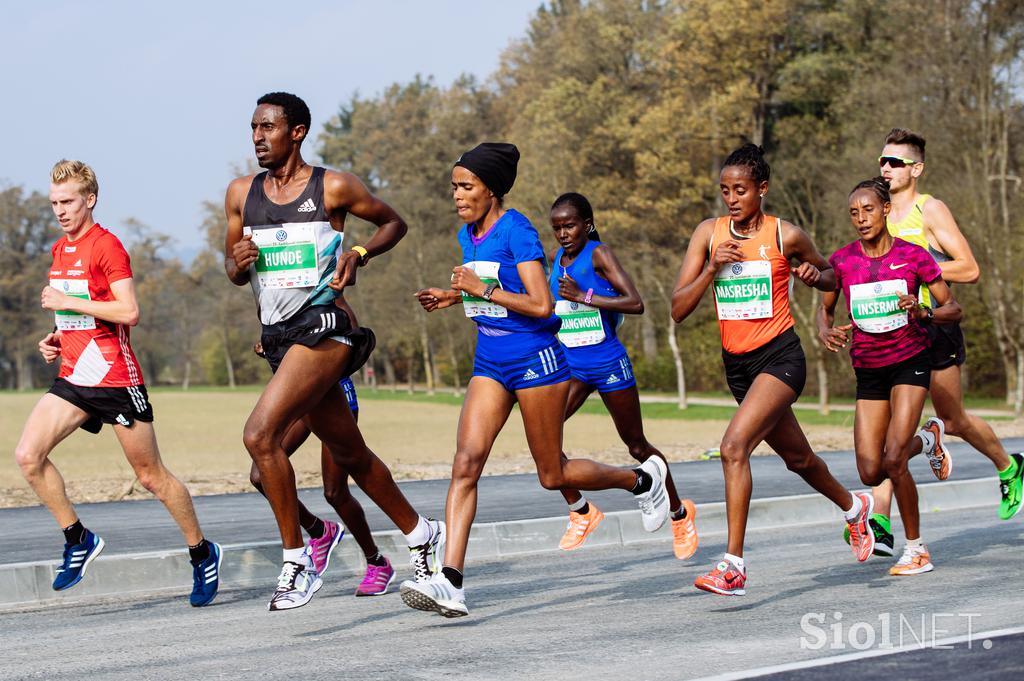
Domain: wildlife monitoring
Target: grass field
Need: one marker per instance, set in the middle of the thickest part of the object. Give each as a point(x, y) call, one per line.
point(200, 438)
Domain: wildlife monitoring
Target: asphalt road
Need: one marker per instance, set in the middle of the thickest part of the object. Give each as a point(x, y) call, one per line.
point(592, 614)
point(30, 534)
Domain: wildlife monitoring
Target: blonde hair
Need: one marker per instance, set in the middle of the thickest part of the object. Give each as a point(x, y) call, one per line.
point(66, 171)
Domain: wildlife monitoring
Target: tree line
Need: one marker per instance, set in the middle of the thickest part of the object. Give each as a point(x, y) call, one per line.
point(634, 104)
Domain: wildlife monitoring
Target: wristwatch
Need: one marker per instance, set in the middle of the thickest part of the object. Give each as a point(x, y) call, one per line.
point(929, 314)
point(488, 291)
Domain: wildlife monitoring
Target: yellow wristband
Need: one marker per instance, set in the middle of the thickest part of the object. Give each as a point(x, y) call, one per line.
point(363, 254)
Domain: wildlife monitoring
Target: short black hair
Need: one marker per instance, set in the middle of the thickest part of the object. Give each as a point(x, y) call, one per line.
point(876, 184)
point(908, 137)
point(751, 157)
point(582, 207)
point(295, 110)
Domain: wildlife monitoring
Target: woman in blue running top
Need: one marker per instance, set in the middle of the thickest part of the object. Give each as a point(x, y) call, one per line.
point(503, 288)
point(592, 291)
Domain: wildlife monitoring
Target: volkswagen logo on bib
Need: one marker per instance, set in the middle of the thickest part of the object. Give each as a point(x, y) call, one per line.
point(737, 268)
point(281, 235)
point(574, 306)
point(878, 288)
point(67, 286)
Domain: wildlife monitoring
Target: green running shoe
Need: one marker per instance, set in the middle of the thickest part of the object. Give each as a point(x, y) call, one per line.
point(1010, 488)
point(882, 528)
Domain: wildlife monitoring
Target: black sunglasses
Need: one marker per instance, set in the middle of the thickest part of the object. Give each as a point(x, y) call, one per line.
point(896, 161)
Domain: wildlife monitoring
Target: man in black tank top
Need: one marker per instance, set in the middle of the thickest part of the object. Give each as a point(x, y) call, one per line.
point(284, 236)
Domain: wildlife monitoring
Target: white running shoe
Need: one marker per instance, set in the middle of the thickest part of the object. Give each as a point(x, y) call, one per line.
point(295, 586)
point(938, 456)
point(426, 559)
point(435, 595)
point(654, 502)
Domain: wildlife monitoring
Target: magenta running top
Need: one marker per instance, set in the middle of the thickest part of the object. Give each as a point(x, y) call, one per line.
point(882, 333)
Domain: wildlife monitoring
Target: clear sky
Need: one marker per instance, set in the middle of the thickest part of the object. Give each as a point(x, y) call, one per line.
point(157, 97)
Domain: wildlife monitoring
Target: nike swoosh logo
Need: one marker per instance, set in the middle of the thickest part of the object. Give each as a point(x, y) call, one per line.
point(918, 373)
point(896, 267)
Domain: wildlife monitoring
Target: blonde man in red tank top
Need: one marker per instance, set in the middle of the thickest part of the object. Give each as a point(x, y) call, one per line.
point(745, 257)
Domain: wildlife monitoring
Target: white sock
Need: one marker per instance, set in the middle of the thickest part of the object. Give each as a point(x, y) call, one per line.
point(927, 440)
point(579, 504)
point(737, 561)
point(295, 556)
point(914, 543)
point(420, 534)
point(854, 510)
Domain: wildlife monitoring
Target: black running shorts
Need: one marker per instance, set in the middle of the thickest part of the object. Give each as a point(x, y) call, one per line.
point(120, 406)
point(782, 357)
point(877, 383)
point(311, 326)
point(947, 345)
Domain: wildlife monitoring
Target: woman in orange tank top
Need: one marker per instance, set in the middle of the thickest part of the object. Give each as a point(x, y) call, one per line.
point(746, 258)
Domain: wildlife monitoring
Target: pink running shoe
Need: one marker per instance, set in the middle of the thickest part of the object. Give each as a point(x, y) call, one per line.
point(320, 549)
point(377, 580)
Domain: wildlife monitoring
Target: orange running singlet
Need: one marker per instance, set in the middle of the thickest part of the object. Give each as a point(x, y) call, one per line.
point(752, 297)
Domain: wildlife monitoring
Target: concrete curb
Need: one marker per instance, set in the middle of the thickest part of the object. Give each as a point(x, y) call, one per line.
point(246, 565)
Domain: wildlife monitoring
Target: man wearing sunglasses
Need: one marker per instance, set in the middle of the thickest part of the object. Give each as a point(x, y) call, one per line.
point(926, 221)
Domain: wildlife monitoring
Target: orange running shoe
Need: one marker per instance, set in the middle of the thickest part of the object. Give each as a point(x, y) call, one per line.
point(726, 580)
point(684, 532)
point(580, 527)
point(862, 538)
point(915, 561)
point(938, 456)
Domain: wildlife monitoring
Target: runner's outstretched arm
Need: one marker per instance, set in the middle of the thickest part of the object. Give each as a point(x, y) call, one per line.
point(963, 268)
point(697, 272)
point(344, 192)
point(239, 251)
point(814, 270)
point(124, 309)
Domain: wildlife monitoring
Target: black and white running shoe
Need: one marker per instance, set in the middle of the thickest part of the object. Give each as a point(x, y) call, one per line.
point(295, 586)
point(426, 559)
point(654, 502)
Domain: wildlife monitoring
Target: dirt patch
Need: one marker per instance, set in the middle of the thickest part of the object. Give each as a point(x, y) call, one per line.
point(200, 440)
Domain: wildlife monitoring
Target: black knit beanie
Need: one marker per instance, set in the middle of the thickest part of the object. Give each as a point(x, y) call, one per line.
point(494, 163)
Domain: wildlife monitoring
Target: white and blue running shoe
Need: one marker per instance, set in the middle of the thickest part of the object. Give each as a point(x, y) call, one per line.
point(206, 578)
point(76, 561)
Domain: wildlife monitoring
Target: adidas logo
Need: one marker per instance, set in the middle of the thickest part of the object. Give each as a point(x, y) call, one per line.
point(612, 379)
point(307, 206)
point(530, 375)
point(78, 263)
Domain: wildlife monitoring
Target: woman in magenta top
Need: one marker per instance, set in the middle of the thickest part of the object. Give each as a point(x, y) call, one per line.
point(879, 276)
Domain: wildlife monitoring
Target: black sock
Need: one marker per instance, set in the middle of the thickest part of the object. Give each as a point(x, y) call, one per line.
point(679, 514)
point(200, 552)
point(453, 576)
point(317, 529)
point(585, 509)
point(377, 559)
point(643, 481)
point(74, 534)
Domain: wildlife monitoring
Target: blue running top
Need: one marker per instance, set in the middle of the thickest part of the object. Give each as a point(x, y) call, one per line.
point(494, 256)
point(581, 334)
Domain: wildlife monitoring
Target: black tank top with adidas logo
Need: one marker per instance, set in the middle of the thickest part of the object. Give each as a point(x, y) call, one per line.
point(298, 249)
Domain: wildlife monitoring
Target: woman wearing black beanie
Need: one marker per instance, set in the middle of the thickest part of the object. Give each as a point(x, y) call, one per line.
point(503, 287)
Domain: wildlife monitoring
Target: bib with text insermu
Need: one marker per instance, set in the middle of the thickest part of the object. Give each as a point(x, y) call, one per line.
point(874, 307)
point(581, 324)
point(478, 307)
point(743, 290)
point(66, 320)
point(287, 256)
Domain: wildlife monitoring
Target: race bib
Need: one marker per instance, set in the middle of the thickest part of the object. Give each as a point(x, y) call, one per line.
point(287, 256)
point(874, 306)
point(581, 324)
point(743, 290)
point(73, 321)
point(478, 307)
